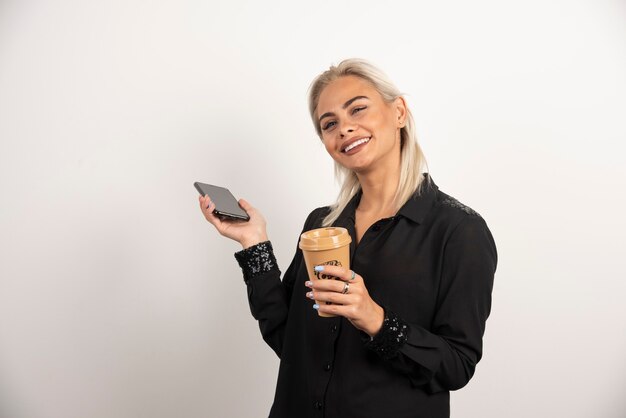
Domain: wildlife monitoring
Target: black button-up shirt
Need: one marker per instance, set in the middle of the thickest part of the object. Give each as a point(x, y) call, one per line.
point(431, 267)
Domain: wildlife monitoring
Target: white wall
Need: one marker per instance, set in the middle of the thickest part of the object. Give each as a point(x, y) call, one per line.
point(117, 299)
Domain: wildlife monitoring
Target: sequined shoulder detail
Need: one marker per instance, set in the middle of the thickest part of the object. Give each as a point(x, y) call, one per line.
point(453, 203)
point(391, 336)
point(256, 260)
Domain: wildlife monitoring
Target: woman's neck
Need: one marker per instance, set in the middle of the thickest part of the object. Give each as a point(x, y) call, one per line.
point(379, 189)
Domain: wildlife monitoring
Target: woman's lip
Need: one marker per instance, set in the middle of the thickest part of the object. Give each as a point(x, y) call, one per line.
point(369, 138)
point(357, 148)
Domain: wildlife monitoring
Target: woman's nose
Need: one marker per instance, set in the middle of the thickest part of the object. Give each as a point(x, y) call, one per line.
point(346, 129)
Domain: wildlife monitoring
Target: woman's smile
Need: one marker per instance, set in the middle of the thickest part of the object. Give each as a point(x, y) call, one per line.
point(355, 145)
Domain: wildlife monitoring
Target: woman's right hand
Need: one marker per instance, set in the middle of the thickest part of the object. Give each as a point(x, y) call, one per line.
point(246, 233)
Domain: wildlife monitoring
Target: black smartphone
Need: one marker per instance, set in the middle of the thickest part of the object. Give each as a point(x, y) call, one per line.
point(226, 206)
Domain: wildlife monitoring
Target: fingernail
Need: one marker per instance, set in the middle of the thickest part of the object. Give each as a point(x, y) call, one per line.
point(319, 268)
point(308, 284)
point(309, 295)
point(316, 306)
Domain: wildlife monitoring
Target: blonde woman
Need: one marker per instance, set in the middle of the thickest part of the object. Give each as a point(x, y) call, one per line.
point(409, 330)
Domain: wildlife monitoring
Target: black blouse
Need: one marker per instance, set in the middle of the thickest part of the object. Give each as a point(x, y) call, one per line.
point(431, 267)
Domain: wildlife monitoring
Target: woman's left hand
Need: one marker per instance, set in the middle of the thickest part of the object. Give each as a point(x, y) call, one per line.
point(355, 304)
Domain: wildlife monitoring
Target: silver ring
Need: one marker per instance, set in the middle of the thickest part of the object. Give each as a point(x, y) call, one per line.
point(346, 287)
point(353, 275)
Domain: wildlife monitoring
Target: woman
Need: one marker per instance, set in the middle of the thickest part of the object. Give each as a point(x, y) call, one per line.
point(409, 328)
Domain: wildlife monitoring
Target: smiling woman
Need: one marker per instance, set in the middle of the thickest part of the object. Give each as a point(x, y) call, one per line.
point(348, 129)
point(376, 104)
point(406, 323)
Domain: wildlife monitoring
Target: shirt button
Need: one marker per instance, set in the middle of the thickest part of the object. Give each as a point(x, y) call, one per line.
point(317, 405)
point(327, 367)
point(333, 328)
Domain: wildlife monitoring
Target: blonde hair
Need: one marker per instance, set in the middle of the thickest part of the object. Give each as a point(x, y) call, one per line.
point(412, 161)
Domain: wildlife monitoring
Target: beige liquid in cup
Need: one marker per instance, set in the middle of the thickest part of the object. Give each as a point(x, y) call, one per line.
point(325, 246)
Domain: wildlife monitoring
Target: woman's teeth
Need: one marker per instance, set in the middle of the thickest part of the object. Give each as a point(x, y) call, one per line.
point(357, 143)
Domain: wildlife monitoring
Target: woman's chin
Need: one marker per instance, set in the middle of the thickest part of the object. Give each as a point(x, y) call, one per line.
point(356, 161)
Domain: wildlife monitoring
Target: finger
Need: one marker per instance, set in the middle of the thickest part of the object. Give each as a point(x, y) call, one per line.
point(327, 270)
point(245, 205)
point(208, 214)
point(204, 202)
point(341, 273)
point(333, 297)
point(346, 311)
point(327, 285)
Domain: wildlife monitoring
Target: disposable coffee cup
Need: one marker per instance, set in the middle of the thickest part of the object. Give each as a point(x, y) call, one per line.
point(325, 246)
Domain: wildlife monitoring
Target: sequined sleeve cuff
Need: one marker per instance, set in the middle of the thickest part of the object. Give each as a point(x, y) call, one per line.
point(256, 260)
point(391, 336)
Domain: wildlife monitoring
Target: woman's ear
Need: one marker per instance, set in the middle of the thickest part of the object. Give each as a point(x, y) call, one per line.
point(400, 109)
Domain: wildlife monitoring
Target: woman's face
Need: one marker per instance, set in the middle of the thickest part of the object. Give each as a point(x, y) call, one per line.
point(359, 130)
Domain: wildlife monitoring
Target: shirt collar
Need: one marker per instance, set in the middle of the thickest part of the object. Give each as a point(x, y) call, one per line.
point(418, 206)
point(415, 209)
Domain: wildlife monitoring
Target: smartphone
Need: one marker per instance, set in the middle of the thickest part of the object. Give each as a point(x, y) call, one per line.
point(226, 206)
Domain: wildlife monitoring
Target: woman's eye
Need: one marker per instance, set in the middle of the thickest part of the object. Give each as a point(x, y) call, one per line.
point(328, 125)
point(358, 109)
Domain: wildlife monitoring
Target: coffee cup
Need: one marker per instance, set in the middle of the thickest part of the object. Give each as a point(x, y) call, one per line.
point(325, 246)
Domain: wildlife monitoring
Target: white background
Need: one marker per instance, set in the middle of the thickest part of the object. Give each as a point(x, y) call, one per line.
point(118, 300)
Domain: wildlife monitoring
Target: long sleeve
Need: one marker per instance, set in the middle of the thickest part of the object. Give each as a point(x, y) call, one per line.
point(268, 296)
point(444, 357)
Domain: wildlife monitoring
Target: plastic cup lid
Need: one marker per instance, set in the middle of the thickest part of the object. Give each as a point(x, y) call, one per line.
point(324, 239)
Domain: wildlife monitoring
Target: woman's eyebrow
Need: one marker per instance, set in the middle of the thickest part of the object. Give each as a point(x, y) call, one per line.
point(346, 104)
